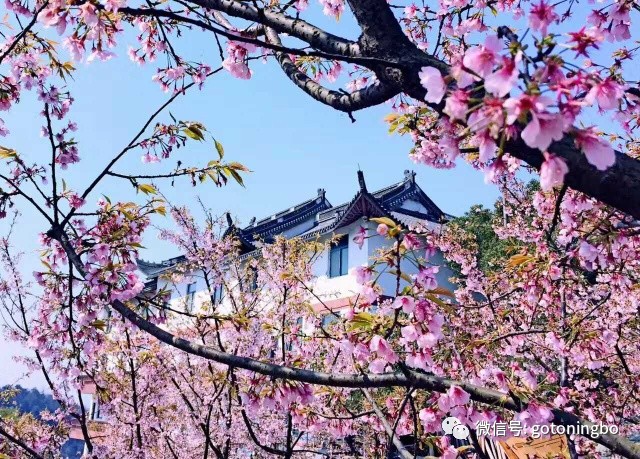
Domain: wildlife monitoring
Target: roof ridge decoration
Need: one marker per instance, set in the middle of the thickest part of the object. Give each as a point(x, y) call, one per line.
point(288, 218)
point(363, 204)
point(234, 231)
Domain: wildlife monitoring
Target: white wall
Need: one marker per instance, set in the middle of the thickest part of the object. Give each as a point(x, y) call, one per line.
point(343, 286)
point(325, 287)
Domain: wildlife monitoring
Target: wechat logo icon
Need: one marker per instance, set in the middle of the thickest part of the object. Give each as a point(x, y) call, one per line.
point(453, 426)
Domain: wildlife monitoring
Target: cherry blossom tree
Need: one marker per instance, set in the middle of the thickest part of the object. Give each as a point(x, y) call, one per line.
point(550, 338)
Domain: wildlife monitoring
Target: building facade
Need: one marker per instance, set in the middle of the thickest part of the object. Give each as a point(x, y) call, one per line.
point(316, 218)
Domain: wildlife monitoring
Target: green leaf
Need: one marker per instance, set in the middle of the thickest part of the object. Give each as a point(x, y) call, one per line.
point(7, 153)
point(219, 148)
point(99, 324)
point(238, 166)
point(236, 176)
point(194, 131)
point(519, 259)
point(147, 189)
point(362, 320)
point(404, 276)
point(214, 177)
point(442, 291)
point(436, 300)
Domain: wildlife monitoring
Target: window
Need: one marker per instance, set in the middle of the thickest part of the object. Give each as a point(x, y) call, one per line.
point(328, 319)
point(107, 319)
point(253, 279)
point(339, 258)
point(95, 411)
point(218, 292)
point(191, 295)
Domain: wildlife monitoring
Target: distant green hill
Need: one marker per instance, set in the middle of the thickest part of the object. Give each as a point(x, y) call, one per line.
point(35, 402)
point(28, 401)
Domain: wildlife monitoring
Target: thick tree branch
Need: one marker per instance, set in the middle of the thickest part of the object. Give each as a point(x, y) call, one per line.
point(617, 444)
point(374, 94)
point(236, 36)
point(384, 49)
point(618, 186)
point(387, 428)
point(383, 39)
point(283, 23)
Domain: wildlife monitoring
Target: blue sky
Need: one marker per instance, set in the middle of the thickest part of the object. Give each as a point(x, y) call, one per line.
point(292, 144)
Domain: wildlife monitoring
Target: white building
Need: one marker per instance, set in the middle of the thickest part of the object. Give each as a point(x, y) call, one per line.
point(404, 202)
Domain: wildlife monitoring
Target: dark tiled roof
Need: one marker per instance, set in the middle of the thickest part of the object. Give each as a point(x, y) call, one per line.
point(319, 217)
point(281, 221)
point(152, 269)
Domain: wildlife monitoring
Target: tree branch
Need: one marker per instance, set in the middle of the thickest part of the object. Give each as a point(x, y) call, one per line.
point(23, 32)
point(20, 443)
point(408, 379)
point(374, 94)
point(384, 49)
point(283, 23)
point(617, 444)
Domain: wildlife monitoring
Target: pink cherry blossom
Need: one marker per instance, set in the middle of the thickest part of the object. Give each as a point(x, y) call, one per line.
point(500, 82)
point(541, 16)
point(544, 127)
point(411, 242)
point(607, 93)
point(360, 236)
point(382, 348)
point(481, 59)
point(333, 8)
point(597, 150)
point(363, 274)
point(456, 104)
point(552, 171)
point(426, 277)
point(431, 80)
point(50, 17)
point(409, 333)
point(88, 14)
point(407, 304)
point(236, 63)
point(487, 147)
point(378, 366)
point(455, 396)
point(430, 420)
